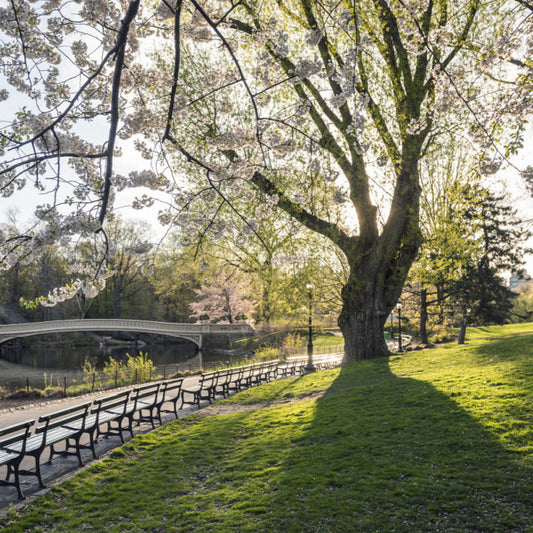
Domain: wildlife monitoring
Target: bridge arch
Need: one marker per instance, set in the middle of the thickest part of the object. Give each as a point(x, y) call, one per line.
point(191, 332)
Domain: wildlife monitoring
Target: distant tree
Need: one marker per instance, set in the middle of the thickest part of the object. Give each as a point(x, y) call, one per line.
point(175, 276)
point(444, 248)
point(523, 304)
point(480, 293)
point(129, 259)
point(472, 239)
point(223, 299)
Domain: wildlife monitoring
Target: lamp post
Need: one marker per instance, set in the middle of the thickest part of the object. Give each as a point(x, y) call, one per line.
point(399, 307)
point(310, 367)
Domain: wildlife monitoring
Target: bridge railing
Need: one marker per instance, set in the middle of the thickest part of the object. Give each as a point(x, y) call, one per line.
point(192, 332)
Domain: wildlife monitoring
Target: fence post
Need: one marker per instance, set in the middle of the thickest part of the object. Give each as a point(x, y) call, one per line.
point(94, 378)
point(116, 375)
point(135, 375)
point(28, 386)
point(65, 386)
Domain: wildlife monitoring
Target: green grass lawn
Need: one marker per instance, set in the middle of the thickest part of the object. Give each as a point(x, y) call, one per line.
point(323, 340)
point(433, 440)
point(483, 332)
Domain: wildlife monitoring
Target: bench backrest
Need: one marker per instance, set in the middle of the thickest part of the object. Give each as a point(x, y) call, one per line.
point(118, 401)
point(222, 376)
point(236, 372)
point(247, 371)
point(63, 418)
point(207, 380)
point(173, 385)
point(15, 433)
point(147, 391)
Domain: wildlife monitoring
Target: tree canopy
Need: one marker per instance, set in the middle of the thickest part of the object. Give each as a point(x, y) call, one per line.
point(323, 110)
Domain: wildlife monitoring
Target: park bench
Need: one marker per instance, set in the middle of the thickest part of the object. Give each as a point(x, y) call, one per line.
point(271, 370)
point(202, 391)
point(327, 361)
point(292, 366)
point(235, 379)
point(254, 377)
point(222, 381)
point(13, 441)
point(111, 411)
point(147, 397)
point(170, 393)
point(245, 380)
point(68, 426)
point(262, 372)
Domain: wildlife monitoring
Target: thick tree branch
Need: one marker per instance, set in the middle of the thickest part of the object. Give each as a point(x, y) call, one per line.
point(175, 73)
point(122, 39)
point(327, 229)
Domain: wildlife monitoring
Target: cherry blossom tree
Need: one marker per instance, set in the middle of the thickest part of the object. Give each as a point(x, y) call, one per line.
point(321, 110)
point(223, 299)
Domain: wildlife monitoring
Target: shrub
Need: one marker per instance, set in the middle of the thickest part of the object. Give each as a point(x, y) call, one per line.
point(136, 369)
point(293, 343)
point(91, 377)
point(139, 368)
point(266, 353)
point(440, 333)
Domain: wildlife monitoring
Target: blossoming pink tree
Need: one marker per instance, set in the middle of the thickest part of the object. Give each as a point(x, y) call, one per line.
point(223, 300)
point(323, 110)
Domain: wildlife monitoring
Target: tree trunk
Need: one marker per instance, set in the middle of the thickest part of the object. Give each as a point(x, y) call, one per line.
point(423, 316)
point(363, 333)
point(116, 302)
point(440, 302)
point(367, 302)
point(462, 328)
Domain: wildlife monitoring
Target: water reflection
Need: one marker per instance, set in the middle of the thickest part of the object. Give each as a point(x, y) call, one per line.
point(68, 357)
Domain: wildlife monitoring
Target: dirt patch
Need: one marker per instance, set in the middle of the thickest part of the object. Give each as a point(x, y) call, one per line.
point(230, 408)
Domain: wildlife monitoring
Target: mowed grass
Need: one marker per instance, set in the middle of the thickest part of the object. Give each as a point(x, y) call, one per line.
point(435, 440)
point(484, 332)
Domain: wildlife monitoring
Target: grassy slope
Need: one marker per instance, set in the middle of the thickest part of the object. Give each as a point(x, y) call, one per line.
point(433, 440)
point(483, 332)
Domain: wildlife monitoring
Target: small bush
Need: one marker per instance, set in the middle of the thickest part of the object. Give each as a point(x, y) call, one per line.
point(136, 369)
point(266, 353)
point(292, 344)
point(91, 377)
point(439, 334)
point(139, 368)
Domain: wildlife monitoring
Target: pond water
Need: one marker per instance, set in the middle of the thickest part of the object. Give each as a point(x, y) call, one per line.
point(49, 364)
point(37, 362)
point(65, 357)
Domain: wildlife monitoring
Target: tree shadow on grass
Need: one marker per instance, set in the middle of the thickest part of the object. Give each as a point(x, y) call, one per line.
point(373, 453)
point(398, 455)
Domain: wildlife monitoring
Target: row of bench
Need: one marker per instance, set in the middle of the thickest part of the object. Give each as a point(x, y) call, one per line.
point(223, 382)
point(103, 417)
point(118, 412)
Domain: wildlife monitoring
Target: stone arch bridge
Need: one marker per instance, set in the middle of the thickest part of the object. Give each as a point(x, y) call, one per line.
point(191, 332)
